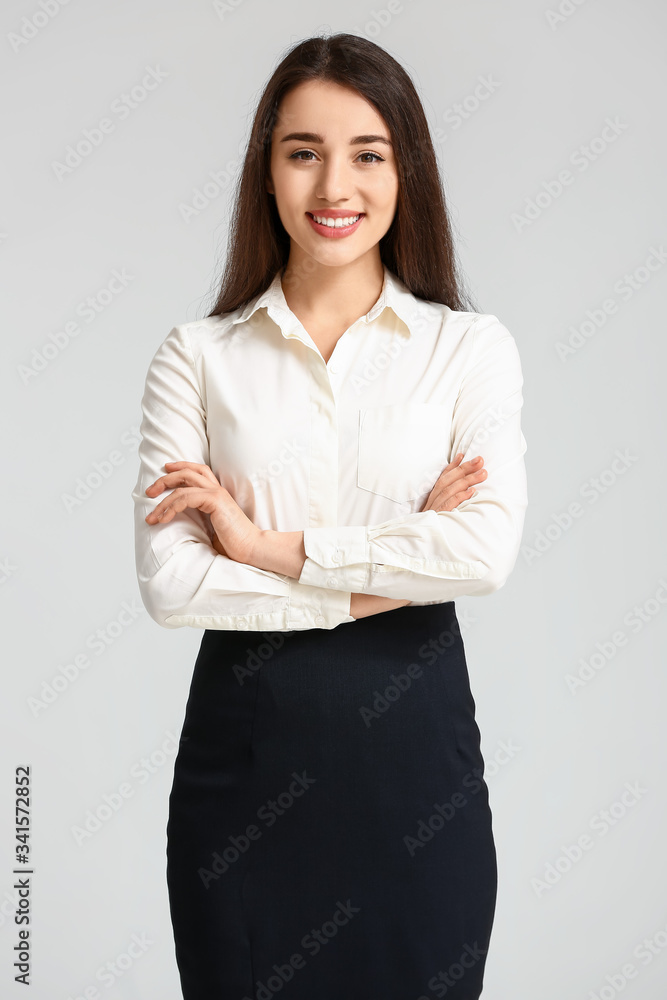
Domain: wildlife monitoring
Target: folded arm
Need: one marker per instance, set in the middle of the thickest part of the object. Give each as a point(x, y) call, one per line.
point(182, 579)
point(441, 555)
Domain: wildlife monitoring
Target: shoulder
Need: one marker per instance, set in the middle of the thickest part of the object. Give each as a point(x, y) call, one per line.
point(482, 335)
point(190, 339)
point(481, 328)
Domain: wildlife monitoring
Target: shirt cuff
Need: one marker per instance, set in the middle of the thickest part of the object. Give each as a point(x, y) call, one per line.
point(317, 607)
point(336, 558)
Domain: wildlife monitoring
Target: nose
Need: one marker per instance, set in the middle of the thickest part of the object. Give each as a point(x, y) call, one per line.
point(333, 182)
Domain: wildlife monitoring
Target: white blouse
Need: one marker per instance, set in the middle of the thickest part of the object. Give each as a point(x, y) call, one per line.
point(347, 450)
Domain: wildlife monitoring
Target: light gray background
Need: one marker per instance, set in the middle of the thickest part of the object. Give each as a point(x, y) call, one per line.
point(67, 571)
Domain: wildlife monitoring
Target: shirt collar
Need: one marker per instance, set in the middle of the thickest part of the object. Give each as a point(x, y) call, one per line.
point(394, 295)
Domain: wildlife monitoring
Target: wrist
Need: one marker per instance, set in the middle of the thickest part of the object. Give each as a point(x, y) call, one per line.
point(279, 552)
point(363, 605)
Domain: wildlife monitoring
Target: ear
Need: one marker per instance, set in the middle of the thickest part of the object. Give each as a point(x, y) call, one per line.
point(269, 185)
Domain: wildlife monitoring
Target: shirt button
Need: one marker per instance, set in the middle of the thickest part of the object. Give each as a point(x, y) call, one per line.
point(242, 623)
point(335, 557)
point(332, 581)
point(333, 368)
point(319, 619)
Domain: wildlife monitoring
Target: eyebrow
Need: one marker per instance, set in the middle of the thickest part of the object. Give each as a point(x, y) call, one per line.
point(357, 140)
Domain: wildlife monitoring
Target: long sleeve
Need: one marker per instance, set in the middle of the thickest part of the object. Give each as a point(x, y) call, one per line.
point(441, 555)
point(182, 579)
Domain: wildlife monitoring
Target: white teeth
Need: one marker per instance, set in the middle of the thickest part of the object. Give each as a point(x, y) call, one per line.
point(326, 221)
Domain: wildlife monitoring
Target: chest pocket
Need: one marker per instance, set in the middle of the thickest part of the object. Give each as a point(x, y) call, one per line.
point(403, 448)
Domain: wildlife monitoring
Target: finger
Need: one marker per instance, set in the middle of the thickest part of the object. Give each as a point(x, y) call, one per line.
point(471, 479)
point(456, 467)
point(177, 501)
point(453, 477)
point(442, 492)
point(450, 502)
point(184, 477)
point(468, 465)
point(204, 499)
point(205, 470)
point(167, 510)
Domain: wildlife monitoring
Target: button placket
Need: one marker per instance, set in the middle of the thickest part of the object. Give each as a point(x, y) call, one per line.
point(323, 499)
point(323, 483)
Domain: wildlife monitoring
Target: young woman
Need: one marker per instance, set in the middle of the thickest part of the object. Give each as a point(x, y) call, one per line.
point(306, 496)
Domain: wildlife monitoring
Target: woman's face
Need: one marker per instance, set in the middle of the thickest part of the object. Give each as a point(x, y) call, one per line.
point(331, 150)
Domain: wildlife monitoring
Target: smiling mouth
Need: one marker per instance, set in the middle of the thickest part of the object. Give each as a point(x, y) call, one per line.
point(345, 222)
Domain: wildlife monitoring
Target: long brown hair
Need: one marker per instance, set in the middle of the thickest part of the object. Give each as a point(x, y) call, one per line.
point(418, 246)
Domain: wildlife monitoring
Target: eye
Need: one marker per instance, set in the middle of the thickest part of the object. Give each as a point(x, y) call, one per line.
point(299, 153)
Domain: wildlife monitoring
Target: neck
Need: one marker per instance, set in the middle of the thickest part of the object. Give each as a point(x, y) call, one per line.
point(332, 297)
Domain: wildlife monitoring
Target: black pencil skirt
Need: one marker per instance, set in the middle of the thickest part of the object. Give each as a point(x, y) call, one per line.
point(329, 833)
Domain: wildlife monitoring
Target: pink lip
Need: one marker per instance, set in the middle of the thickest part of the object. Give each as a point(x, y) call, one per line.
point(335, 213)
point(335, 232)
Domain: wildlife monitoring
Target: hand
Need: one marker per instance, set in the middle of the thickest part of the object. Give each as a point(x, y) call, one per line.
point(452, 487)
point(455, 483)
point(196, 486)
